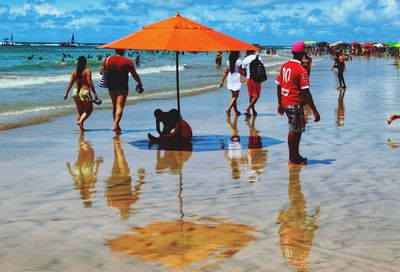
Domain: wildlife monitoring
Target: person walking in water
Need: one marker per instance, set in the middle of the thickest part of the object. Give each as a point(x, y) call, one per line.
point(340, 65)
point(82, 77)
point(293, 93)
point(233, 81)
point(253, 87)
point(118, 68)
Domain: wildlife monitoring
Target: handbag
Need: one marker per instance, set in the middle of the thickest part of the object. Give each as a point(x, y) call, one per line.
point(103, 82)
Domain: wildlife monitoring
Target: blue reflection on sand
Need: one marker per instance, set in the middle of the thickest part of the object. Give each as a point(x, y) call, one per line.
point(208, 143)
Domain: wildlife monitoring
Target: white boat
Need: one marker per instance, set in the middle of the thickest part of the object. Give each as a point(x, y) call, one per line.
point(8, 42)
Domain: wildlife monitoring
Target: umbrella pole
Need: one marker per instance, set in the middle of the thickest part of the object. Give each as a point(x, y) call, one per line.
point(177, 81)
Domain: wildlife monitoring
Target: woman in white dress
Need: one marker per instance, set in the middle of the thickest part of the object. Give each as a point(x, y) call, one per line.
point(233, 81)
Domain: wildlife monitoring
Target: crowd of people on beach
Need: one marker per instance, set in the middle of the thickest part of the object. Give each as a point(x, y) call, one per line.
point(292, 90)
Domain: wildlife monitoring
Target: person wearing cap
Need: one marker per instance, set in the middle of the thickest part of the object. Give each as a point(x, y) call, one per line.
point(118, 68)
point(293, 93)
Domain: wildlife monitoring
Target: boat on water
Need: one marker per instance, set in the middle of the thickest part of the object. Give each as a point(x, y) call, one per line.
point(8, 42)
point(71, 43)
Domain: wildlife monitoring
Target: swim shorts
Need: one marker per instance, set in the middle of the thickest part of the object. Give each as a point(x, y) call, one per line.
point(253, 88)
point(296, 118)
point(84, 95)
point(114, 92)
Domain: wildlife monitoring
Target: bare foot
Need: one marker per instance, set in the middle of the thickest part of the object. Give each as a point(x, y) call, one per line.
point(80, 125)
point(297, 162)
point(390, 119)
point(117, 130)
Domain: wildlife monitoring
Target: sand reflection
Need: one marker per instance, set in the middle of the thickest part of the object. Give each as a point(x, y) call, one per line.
point(255, 160)
point(236, 159)
point(84, 175)
point(178, 245)
point(256, 154)
point(340, 108)
point(297, 227)
point(119, 192)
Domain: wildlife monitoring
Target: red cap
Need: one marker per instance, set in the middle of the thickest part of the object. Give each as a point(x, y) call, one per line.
point(298, 47)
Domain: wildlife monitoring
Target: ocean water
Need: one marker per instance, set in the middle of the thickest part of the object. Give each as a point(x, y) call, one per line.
point(32, 89)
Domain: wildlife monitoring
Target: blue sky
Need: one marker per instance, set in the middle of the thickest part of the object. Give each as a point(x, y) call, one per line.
point(268, 22)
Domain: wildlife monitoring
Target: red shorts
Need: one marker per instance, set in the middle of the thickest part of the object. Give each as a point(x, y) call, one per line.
point(253, 88)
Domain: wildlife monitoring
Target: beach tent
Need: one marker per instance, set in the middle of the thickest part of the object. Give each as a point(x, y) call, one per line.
point(322, 44)
point(338, 43)
point(309, 43)
point(179, 34)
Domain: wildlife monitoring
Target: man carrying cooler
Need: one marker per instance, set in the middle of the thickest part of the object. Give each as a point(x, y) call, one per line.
point(293, 93)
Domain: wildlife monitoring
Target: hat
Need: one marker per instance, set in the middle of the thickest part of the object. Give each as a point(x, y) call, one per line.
point(298, 47)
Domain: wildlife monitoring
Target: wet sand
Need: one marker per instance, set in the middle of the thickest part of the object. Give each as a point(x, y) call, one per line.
point(95, 202)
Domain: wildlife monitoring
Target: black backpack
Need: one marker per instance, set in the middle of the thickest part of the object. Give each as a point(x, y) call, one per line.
point(257, 70)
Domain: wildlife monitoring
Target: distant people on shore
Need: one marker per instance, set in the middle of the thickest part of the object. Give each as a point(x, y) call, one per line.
point(233, 81)
point(339, 60)
point(82, 78)
point(293, 93)
point(218, 58)
point(307, 62)
point(175, 129)
point(118, 68)
point(137, 60)
point(253, 86)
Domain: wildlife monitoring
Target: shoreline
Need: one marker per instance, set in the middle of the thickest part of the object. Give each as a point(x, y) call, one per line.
point(98, 193)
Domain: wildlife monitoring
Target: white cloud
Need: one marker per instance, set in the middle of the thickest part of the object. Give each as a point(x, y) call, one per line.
point(78, 23)
point(17, 10)
point(49, 24)
point(47, 9)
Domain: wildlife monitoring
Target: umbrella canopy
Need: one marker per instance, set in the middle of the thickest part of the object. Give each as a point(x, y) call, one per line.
point(322, 44)
point(309, 43)
point(338, 43)
point(368, 45)
point(179, 34)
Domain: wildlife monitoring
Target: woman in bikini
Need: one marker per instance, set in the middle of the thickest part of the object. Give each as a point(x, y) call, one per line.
point(81, 94)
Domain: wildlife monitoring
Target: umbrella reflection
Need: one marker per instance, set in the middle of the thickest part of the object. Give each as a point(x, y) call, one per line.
point(198, 245)
point(119, 192)
point(173, 160)
point(84, 175)
point(297, 227)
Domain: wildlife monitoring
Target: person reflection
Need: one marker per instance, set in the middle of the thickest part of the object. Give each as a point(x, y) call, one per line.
point(86, 168)
point(297, 228)
point(234, 154)
point(257, 156)
point(340, 108)
point(118, 192)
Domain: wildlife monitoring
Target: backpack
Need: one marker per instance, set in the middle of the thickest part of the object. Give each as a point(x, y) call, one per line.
point(257, 70)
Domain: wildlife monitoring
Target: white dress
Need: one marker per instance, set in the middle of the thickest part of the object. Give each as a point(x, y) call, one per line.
point(233, 80)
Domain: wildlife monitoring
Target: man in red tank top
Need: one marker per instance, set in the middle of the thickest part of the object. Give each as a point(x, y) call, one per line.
point(118, 68)
point(293, 93)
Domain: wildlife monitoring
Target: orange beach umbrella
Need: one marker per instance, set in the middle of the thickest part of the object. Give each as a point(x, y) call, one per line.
point(179, 34)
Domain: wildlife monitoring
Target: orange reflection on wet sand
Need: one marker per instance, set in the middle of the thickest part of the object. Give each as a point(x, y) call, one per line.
point(179, 244)
point(297, 227)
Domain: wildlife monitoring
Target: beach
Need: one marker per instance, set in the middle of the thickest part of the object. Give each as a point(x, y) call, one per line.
point(99, 202)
